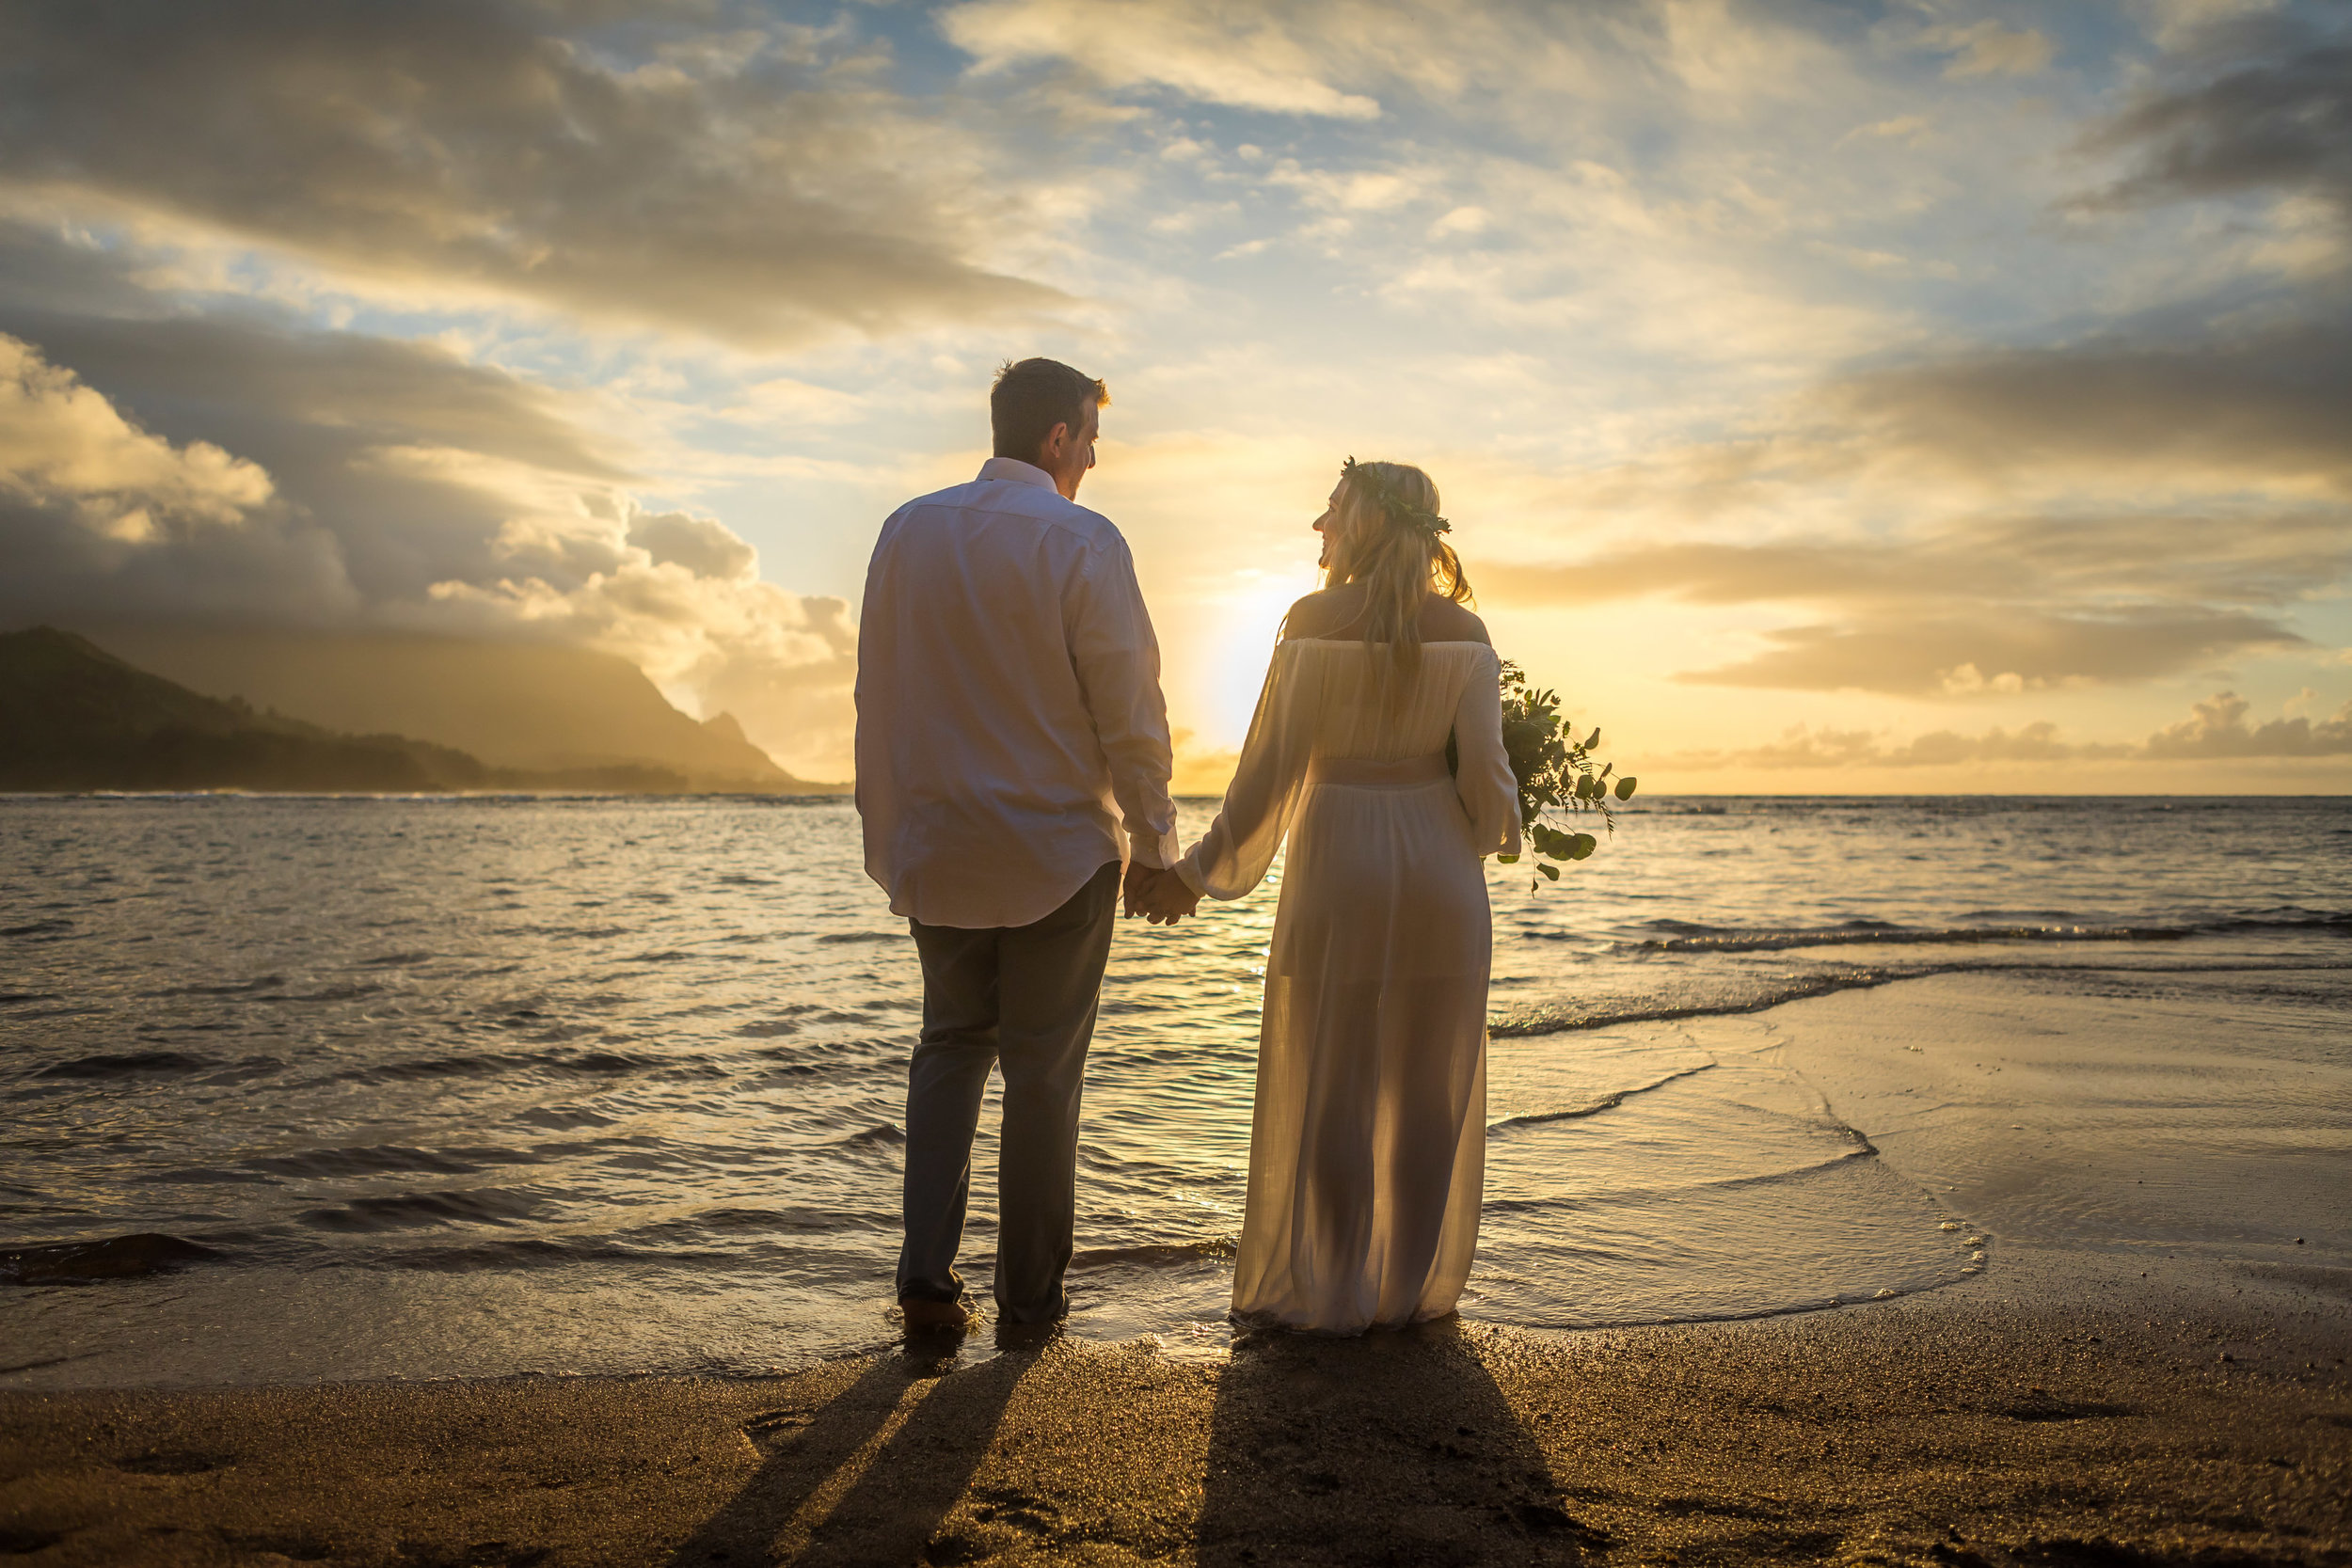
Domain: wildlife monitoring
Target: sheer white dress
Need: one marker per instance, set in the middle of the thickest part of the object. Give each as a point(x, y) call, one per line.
point(1367, 1147)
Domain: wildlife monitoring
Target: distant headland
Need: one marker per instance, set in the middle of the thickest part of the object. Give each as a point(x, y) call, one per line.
point(464, 715)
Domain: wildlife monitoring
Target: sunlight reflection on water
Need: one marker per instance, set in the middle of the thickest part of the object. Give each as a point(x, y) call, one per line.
point(468, 1086)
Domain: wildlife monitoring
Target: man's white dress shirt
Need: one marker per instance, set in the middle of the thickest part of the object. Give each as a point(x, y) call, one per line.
point(1008, 712)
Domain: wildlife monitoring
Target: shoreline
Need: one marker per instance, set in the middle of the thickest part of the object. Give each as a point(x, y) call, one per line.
point(2203, 1416)
point(2152, 1369)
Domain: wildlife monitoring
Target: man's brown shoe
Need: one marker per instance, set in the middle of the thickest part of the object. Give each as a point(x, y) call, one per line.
point(924, 1313)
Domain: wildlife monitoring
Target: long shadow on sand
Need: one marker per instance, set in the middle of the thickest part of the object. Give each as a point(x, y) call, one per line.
point(868, 1476)
point(1395, 1448)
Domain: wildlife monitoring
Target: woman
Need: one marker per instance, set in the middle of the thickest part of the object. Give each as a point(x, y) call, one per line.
point(1368, 1143)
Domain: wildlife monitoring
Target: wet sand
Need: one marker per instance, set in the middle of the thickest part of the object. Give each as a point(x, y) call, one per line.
point(2152, 1369)
point(2142, 1423)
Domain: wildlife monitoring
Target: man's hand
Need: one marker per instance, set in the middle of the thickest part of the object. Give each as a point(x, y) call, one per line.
point(1137, 877)
point(1160, 896)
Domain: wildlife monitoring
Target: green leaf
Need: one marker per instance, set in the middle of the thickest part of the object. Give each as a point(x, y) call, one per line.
point(1584, 844)
point(1592, 740)
point(1625, 788)
point(1507, 860)
point(1551, 871)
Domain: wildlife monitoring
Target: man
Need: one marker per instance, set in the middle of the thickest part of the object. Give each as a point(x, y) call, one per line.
point(1011, 745)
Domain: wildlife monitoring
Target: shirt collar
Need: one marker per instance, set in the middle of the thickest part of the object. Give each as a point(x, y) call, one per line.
point(1017, 471)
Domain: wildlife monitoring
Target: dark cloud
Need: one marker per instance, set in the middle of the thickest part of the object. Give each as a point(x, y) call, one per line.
point(240, 473)
point(2261, 559)
point(2281, 123)
point(753, 183)
point(2191, 493)
point(97, 512)
point(350, 392)
point(2219, 411)
point(1998, 651)
point(340, 422)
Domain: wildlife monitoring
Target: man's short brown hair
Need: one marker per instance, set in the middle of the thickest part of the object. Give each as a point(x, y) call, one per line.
point(1032, 397)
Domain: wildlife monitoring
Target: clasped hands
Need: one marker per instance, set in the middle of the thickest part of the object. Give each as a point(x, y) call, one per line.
point(1159, 896)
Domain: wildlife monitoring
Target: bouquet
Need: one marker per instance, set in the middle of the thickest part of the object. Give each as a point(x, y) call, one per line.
point(1556, 773)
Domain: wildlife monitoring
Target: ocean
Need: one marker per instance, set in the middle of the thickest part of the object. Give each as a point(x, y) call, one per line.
point(425, 1087)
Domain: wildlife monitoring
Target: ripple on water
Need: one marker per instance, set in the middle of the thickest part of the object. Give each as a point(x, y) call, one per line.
point(616, 1084)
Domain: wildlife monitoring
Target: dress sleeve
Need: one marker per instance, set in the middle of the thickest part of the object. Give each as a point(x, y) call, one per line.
point(1489, 788)
point(1231, 858)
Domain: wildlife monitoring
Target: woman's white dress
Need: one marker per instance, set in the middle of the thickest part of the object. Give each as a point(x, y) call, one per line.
point(1367, 1148)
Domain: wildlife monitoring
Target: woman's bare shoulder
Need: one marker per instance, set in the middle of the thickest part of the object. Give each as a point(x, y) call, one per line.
point(1324, 611)
point(1443, 621)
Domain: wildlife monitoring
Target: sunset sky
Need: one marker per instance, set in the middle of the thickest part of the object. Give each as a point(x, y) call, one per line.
point(1828, 397)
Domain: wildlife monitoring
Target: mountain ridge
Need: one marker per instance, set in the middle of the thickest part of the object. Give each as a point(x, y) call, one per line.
point(74, 716)
point(537, 706)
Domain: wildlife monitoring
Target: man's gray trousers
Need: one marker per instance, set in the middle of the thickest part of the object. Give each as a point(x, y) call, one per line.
point(1023, 997)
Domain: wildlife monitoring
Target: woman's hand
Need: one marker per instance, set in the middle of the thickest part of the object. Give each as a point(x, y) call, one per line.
point(1160, 896)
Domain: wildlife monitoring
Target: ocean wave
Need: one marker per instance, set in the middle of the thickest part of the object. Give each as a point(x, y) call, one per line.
point(231, 987)
point(388, 1157)
point(1155, 1254)
point(1764, 993)
point(588, 1064)
point(529, 1252)
point(1636, 1197)
point(410, 1210)
point(1563, 1018)
point(1701, 938)
point(37, 929)
point(113, 1257)
point(127, 1064)
point(2286, 920)
point(1610, 1103)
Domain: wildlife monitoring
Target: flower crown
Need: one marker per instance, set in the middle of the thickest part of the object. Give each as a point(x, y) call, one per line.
point(1396, 506)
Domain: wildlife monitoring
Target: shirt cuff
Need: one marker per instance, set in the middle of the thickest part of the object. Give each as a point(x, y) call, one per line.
point(1159, 854)
point(1191, 875)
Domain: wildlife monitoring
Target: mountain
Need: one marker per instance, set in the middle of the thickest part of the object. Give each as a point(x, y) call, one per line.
point(73, 717)
point(531, 707)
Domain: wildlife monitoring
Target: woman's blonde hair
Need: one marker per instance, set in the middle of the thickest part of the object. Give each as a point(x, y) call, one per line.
point(1391, 539)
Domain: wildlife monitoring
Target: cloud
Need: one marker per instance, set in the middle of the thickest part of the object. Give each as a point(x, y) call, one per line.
point(64, 448)
point(703, 545)
point(1806, 747)
point(99, 516)
point(2281, 124)
point(2214, 731)
point(2217, 728)
point(757, 185)
point(1989, 49)
point(2223, 411)
point(361, 484)
point(1996, 651)
point(1986, 523)
point(1236, 56)
point(2261, 559)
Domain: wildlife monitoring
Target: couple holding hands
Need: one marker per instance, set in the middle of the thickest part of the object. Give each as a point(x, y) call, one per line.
point(1012, 752)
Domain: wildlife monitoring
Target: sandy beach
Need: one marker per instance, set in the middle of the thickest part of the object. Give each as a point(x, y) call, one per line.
point(2143, 1423)
point(2150, 1369)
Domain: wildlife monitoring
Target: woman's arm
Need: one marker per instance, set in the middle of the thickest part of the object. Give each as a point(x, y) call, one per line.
point(1233, 857)
point(1489, 788)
